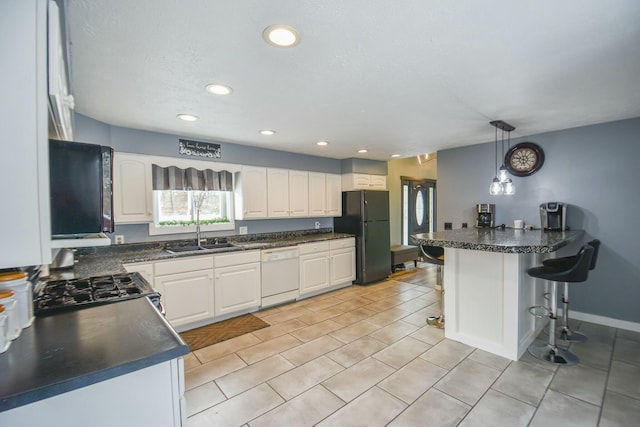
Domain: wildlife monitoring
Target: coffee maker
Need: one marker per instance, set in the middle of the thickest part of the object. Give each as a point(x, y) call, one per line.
point(486, 215)
point(553, 216)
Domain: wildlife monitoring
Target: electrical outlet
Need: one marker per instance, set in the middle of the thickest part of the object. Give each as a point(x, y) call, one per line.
point(317, 224)
point(119, 239)
point(243, 230)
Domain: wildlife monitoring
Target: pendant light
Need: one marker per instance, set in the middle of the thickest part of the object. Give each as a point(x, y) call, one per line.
point(501, 184)
point(496, 186)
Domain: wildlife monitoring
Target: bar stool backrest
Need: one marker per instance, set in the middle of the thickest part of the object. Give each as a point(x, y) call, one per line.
point(580, 270)
point(432, 254)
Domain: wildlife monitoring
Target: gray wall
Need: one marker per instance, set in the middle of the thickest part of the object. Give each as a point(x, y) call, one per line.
point(595, 170)
point(365, 166)
point(143, 142)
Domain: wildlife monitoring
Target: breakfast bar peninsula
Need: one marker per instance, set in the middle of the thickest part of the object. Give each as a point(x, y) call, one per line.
point(487, 290)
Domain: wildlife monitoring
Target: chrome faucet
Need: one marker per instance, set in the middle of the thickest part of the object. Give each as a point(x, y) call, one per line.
point(199, 238)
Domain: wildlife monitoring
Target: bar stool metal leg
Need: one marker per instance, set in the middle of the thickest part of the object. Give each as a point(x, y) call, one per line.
point(438, 321)
point(550, 352)
point(566, 333)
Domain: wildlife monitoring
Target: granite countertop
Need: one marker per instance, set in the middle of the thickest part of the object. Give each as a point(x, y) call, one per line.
point(507, 240)
point(107, 260)
point(67, 351)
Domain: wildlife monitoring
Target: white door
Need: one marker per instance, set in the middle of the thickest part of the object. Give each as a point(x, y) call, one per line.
point(298, 193)
point(317, 194)
point(333, 195)
point(187, 297)
point(251, 199)
point(314, 272)
point(278, 193)
point(237, 288)
point(343, 262)
point(132, 192)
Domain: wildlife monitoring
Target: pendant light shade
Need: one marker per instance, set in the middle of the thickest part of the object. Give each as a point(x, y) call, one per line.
point(496, 187)
point(501, 184)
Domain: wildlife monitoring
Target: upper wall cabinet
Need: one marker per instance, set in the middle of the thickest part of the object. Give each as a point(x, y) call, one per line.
point(132, 189)
point(325, 194)
point(251, 193)
point(24, 181)
point(287, 193)
point(359, 181)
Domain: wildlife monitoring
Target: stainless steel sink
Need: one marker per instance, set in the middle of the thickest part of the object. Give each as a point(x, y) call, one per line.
point(193, 248)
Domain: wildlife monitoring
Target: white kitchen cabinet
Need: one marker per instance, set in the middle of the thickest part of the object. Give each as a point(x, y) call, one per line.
point(342, 261)
point(24, 168)
point(145, 270)
point(237, 282)
point(277, 193)
point(186, 286)
point(287, 193)
point(153, 396)
point(359, 181)
point(251, 193)
point(132, 189)
point(325, 194)
point(314, 267)
point(298, 193)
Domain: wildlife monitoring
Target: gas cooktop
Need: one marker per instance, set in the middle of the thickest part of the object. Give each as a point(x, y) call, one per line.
point(74, 294)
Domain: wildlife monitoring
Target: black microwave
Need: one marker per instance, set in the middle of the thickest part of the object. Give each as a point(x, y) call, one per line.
point(81, 192)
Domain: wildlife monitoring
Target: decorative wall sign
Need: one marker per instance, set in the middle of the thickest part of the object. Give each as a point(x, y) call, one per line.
point(199, 149)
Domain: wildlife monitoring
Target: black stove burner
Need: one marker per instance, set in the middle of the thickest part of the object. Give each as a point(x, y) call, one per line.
point(65, 295)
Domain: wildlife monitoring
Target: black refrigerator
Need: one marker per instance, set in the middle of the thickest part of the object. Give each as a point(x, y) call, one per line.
point(365, 213)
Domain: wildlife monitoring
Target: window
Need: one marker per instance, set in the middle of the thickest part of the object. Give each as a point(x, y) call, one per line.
point(184, 197)
point(176, 211)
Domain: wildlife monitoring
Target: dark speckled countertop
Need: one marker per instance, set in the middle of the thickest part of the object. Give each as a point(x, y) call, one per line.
point(506, 240)
point(107, 260)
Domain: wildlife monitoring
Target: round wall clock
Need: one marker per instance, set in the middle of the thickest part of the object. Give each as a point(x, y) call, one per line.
point(524, 159)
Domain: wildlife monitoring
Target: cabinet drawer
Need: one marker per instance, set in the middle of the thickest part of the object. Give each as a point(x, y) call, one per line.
point(183, 265)
point(236, 258)
point(310, 248)
point(342, 243)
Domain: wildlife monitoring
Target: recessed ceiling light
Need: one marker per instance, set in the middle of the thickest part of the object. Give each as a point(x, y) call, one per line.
point(362, 151)
point(395, 155)
point(322, 143)
point(188, 117)
point(267, 132)
point(281, 36)
point(218, 89)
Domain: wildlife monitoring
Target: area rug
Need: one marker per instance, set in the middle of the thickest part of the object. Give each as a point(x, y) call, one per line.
point(222, 331)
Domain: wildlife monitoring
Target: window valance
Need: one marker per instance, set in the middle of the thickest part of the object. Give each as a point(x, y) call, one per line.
point(174, 178)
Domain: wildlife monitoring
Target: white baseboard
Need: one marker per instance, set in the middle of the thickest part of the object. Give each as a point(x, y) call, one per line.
point(602, 320)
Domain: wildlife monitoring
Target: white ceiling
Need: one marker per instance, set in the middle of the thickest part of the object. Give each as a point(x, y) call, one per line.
point(391, 76)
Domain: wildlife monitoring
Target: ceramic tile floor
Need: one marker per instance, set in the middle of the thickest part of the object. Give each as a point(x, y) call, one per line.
point(363, 356)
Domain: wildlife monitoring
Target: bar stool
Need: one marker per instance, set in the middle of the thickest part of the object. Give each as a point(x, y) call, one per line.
point(578, 271)
point(566, 333)
point(435, 255)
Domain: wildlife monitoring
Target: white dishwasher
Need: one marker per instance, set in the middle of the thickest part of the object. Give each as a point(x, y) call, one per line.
point(280, 275)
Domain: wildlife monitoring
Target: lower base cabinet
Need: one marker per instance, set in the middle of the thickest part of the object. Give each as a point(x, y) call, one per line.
point(152, 396)
point(237, 283)
point(186, 287)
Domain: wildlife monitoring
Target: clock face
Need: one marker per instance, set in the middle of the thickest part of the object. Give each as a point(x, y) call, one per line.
point(524, 159)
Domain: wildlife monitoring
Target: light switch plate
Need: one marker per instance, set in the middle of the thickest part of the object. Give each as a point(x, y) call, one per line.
point(243, 230)
point(119, 239)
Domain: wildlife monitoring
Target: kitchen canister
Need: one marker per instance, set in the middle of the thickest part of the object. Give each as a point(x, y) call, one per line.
point(9, 302)
point(23, 289)
point(4, 341)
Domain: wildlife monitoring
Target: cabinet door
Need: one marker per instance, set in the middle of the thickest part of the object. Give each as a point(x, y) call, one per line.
point(277, 193)
point(314, 272)
point(187, 297)
point(251, 193)
point(378, 182)
point(145, 270)
point(333, 195)
point(343, 266)
point(298, 193)
point(237, 288)
point(24, 181)
point(132, 189)
point(317, 194)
